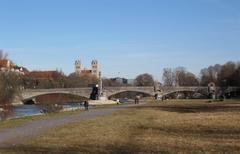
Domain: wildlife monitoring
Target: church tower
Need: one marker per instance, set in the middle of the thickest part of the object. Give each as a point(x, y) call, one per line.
point(95, 68)
point(78, 67)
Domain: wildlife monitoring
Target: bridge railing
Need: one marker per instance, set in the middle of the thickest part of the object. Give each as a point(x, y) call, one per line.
point(133, 88)
point(58, 89)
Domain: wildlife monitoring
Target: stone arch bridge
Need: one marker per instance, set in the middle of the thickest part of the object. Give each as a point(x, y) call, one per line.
point(29, 94)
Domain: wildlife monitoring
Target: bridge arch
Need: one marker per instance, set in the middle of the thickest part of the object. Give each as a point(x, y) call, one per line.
point(178, 91)
point(186, 91)
point(33, 97)
point(129, 91)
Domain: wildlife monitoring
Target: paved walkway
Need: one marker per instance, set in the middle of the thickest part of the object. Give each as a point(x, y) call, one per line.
point(25, 131)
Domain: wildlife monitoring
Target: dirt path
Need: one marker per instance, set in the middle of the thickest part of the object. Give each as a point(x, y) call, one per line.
point(26, 131)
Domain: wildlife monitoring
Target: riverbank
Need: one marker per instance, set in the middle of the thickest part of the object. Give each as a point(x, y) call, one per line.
point(11, 122)
point(17, 110)
point(182, 126)
point(24, 131)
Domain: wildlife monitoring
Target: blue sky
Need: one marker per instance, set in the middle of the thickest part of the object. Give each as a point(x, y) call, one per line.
point(128, 37)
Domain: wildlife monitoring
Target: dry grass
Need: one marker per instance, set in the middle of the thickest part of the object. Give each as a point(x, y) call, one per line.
point(9, 123)
point(170, 127)
point(5, 124)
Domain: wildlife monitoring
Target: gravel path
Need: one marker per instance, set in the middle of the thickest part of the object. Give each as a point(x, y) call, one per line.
point(26, 131)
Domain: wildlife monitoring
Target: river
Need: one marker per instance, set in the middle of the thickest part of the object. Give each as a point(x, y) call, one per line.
point(30, 110)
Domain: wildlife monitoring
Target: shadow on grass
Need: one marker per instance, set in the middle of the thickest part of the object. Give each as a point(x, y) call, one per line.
point(199, 131)
point(123, 149)
point(111, 149)
point(194, 108)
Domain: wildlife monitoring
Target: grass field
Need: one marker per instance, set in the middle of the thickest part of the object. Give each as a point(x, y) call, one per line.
point(185, 126)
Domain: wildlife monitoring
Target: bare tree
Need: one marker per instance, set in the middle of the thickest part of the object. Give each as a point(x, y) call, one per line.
point(111, 83)
point(3, 55)
point(236, 77)
point(222, 75)
point(74, 80)
point(10, 84)
point(185, 78)
point(228, 75)
point(210, 74)
point(168, 77)
point(179, 74)
point(179, 77)
point(144, 80)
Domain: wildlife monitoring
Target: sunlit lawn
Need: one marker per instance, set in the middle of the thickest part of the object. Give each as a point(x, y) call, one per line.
point(186, 126)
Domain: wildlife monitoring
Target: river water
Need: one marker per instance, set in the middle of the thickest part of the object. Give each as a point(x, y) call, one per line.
point(29, 110)
point(25, 110)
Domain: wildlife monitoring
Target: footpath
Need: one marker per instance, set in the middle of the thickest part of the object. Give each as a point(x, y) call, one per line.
point(23, 132)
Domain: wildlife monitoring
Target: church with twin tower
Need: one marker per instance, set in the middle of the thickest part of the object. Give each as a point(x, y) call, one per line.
point(80, 70)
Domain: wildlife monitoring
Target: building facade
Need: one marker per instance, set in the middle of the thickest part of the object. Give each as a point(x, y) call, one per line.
point(80, 70)
point(8, 66)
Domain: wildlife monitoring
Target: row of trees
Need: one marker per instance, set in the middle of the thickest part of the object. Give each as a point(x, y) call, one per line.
point(140, 80)
point(222, 75)
point(179, 77)
point(59, 80)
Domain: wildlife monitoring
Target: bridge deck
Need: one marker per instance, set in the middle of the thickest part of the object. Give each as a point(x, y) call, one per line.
point(109, 91)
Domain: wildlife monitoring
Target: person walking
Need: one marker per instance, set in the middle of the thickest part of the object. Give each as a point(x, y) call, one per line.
point(86, 105)
point(137, 98)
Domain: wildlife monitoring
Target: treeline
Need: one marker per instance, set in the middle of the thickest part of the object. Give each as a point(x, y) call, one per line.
point(10, 86)
point(222, 75)
point(227, 74)
point(179, 77)
point(11, 83)
point(141, 80)
point(57, 79)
